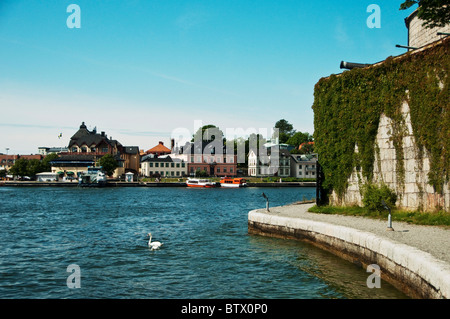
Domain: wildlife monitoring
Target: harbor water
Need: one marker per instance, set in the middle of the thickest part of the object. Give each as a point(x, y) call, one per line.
point(207, 252)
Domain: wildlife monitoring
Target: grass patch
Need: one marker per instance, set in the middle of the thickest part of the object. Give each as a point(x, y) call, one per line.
point(440, 218)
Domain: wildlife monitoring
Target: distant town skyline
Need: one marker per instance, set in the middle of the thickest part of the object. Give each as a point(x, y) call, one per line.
point(139, 70)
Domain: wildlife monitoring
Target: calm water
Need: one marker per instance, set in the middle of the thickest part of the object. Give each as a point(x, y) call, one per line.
point(207, 251)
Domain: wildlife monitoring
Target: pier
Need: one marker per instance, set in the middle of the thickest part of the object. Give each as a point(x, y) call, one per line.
point(413, 258)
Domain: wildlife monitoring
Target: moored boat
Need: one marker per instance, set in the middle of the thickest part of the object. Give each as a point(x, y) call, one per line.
point(233, 182)
point(200, 182)
point(93, 177)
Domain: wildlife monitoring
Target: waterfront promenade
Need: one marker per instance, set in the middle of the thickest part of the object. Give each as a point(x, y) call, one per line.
point(415, 258)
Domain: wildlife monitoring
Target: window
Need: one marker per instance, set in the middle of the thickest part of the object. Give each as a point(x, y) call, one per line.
point(218, 169)
point(93, 149)
point(224, 169)
point(156, 164)
point(231, 170)
point(83, 149)
point(172, 173)
point(167, 164)
point(182, 165)
point(178, 165)
point(178, 173)
point(74, 149)
point(151, 164)
point(172, 164)
point(105, 150)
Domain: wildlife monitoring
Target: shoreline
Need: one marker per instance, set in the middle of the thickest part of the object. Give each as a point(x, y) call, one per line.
point(413, 258)
point(142, 184)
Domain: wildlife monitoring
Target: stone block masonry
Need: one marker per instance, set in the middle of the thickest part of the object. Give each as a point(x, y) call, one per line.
point(413, 189)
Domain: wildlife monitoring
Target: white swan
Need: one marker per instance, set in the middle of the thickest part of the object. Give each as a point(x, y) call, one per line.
point(153, 245)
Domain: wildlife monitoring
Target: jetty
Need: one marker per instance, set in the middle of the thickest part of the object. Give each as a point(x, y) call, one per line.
point(413, 258)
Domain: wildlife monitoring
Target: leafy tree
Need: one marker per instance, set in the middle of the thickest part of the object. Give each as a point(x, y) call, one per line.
point(208, 133)
point(46, 166)
point(108, 163)
point(434, 13)
point(299, 138)
point(20, 167)
point(34, 166)
point(285, 130)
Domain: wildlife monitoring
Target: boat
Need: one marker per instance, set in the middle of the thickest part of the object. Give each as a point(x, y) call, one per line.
point(200, 182)
point(233, 182)
point(93, 177)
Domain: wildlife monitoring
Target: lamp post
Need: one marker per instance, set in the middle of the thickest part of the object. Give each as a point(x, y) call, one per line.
point(267, 201)
point(389, 216)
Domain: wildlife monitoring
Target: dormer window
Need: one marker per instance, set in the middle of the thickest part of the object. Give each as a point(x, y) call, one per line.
point(74, 149)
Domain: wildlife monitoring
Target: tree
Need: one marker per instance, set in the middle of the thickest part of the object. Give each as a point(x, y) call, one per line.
point(46, 166)
point(108, 163)
point(299, 138)
point(34, 166)
point(285, 130)
point(208, 133)
point(434, 13)
point(20, 167)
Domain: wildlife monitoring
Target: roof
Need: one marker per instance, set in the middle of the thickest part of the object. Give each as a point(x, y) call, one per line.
point(160, 148)
point(303, 144)
point(85, 137)
point(304, 157)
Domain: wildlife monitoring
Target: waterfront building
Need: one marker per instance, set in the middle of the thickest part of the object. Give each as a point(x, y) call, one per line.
point(7, 161)
point(303, 165)
point(49, 150)
point(272, 159)
point(87, 147)
point(163, 166)
point(211, 158)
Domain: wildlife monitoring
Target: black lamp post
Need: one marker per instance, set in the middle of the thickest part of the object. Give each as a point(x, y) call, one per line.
point(267, 201)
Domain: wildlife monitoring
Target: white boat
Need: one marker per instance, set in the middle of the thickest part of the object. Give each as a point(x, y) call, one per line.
point(200, 182)
point(94, 176)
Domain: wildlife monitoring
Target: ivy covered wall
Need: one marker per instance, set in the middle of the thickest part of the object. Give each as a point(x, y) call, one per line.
point(348, 108)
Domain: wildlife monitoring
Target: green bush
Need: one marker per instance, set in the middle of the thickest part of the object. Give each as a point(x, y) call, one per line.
point(374, 195)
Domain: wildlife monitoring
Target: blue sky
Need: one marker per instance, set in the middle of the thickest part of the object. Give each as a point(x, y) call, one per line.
point(141, 69)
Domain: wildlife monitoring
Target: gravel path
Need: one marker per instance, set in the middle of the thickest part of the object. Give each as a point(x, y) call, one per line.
point(431, 239)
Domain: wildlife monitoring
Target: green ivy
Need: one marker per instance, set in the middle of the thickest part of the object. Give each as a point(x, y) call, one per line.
point(347, 110)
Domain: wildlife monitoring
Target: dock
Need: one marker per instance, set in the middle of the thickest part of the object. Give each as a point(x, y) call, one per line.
point(413, 258)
